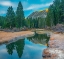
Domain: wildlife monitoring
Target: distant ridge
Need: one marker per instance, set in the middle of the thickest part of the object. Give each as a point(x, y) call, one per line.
point(38, 14)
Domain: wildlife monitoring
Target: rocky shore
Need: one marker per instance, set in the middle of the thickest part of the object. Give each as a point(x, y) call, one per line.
point(55, 48)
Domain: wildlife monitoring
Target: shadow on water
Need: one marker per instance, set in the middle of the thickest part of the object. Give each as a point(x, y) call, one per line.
point(28, 48)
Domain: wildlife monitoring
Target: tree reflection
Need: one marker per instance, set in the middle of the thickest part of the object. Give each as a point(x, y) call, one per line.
point(10, 48)
point(39, 38)
point(18, 46)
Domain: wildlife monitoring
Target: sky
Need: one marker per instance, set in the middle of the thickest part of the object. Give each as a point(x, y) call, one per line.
point(29, 6)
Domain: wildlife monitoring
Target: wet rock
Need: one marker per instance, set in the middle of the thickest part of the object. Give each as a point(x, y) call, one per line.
point(46, 53)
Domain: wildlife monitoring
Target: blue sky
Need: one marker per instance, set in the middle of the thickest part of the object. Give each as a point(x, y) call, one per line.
point(28, 5)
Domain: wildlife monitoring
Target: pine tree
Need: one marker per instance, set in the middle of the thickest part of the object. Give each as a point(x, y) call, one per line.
point(20, 16)
point(2, 21)
point(53, 16)
point(50, 16)
point(56, 5)
point(62, 11)
point(10, 18)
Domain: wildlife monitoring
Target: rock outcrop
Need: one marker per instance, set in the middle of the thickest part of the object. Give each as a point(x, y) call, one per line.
point(38, 14)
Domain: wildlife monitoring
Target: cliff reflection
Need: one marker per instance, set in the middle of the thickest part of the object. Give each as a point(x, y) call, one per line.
point(39, 38)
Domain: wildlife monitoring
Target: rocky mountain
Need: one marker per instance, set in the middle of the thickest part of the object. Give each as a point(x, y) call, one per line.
point(38, 14)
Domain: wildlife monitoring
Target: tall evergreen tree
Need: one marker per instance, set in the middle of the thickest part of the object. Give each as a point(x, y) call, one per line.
point(20, 16)
point(56, 5)
point(50, 16)
point(53, 16)
point(2, 21)
point(10, 18)
point(62, 11)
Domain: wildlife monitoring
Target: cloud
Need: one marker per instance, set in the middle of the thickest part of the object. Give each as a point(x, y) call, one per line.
point(46, 1)
point(3, 51)
point(37, 6)
point(25, 4)
point(38, 47)
point(7, 3)
point(2, 12)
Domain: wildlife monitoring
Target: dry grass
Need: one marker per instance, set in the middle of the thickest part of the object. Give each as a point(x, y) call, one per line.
point(6, 36)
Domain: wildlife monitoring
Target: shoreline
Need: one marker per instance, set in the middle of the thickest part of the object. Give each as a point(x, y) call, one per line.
point(11, 36)
point(55, 48)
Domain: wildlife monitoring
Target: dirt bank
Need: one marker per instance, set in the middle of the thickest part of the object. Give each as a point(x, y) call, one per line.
point(7, 36)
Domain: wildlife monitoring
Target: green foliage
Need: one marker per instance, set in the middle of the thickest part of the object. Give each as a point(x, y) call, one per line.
point(62, 11)
point(50, 16)
point(2, 21)
point(13, 19)
point(36, 23)
point(10, 18)
point(56, 13)
point(16, 19)
point(20, 19)
point(41, 22)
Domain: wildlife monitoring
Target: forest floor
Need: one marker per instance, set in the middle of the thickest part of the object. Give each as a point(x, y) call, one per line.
point(7, 36)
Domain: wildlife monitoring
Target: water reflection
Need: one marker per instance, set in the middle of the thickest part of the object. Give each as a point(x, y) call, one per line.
point(39, 38)
point(28, 48)
point(18, 46)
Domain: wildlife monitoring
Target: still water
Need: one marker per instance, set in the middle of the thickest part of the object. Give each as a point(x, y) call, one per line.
point(27, 48)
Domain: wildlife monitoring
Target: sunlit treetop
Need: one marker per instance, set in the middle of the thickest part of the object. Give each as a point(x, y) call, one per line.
point(47, 10)
point(43, 10)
